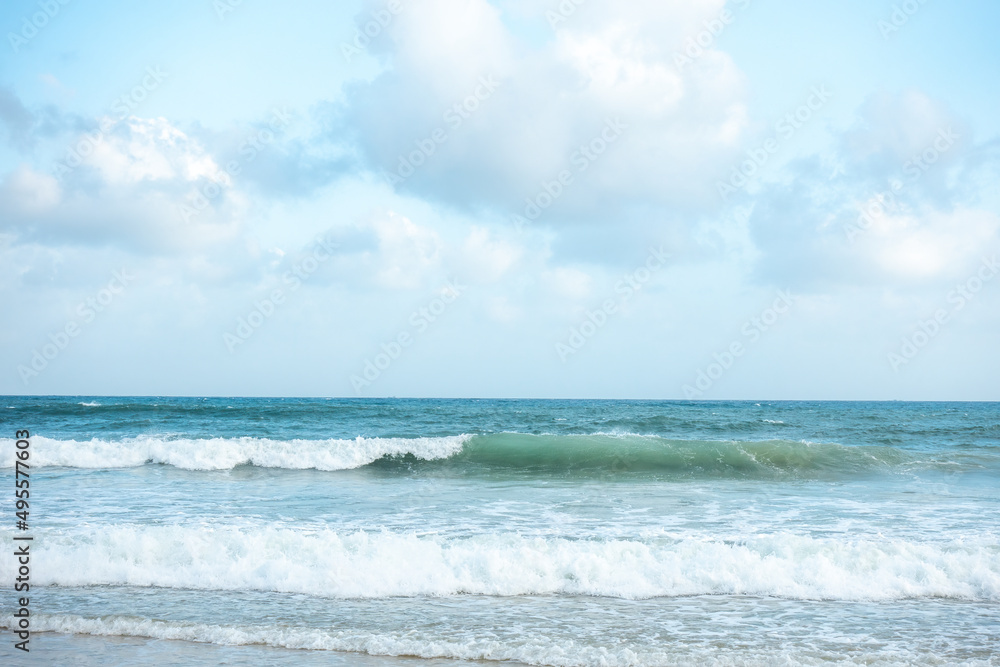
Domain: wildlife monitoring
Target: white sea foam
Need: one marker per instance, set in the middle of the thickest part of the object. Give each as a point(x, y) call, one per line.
point(385, 564)
point(91, 404)
point(226, 453)
point(528, 649)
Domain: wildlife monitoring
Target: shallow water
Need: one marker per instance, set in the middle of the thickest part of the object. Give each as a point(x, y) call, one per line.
point(545, 532)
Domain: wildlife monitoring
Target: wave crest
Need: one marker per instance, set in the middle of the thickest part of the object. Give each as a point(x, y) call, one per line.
point(376, 565)
point(587, 455)
point(227, 453)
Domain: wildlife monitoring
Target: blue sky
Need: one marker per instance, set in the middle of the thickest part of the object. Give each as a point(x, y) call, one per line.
point(753, 199)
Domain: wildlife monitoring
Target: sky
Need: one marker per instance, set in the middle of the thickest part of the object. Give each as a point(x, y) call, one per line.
point(754, 199)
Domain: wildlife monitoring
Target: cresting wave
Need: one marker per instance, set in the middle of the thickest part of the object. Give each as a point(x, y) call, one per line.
point(227, 453)
point(586, 454)
point(386, 564)
point(637, 453)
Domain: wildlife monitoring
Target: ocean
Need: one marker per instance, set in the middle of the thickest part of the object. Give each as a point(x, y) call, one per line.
point(271, 531)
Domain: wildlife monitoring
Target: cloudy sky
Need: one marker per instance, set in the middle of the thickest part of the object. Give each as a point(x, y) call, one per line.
point(510, 198)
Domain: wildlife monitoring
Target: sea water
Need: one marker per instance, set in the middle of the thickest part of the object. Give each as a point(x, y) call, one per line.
point(276, 531)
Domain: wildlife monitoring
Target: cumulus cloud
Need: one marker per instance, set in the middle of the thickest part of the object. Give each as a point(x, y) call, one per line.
point(899, 213)
point(546, 104)
point(407, 252)
point(937, 245)
point(897, 126)
point(28, 192)
point(148, 149)
point(126, 186)
point(487, 258)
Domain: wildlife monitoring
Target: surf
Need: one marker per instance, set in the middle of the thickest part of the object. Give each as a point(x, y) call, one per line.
point(383, 564)
point(599, 454)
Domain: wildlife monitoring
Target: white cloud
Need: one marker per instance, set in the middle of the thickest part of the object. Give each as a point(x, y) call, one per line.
point(137, 149)
point(408, 253)
point(127, 191)
point(568, 283)
point(932, 246)
point(485, 258)
point(898, 216)
point(29, 192)
point(500, 309)
point(898, 126)
point(683, 127)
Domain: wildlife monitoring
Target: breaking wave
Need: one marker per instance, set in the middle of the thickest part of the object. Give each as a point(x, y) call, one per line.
point(603, 454)
point(361, 564)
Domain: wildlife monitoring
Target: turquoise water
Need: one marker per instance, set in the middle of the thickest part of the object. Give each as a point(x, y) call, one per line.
point(305, 531)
